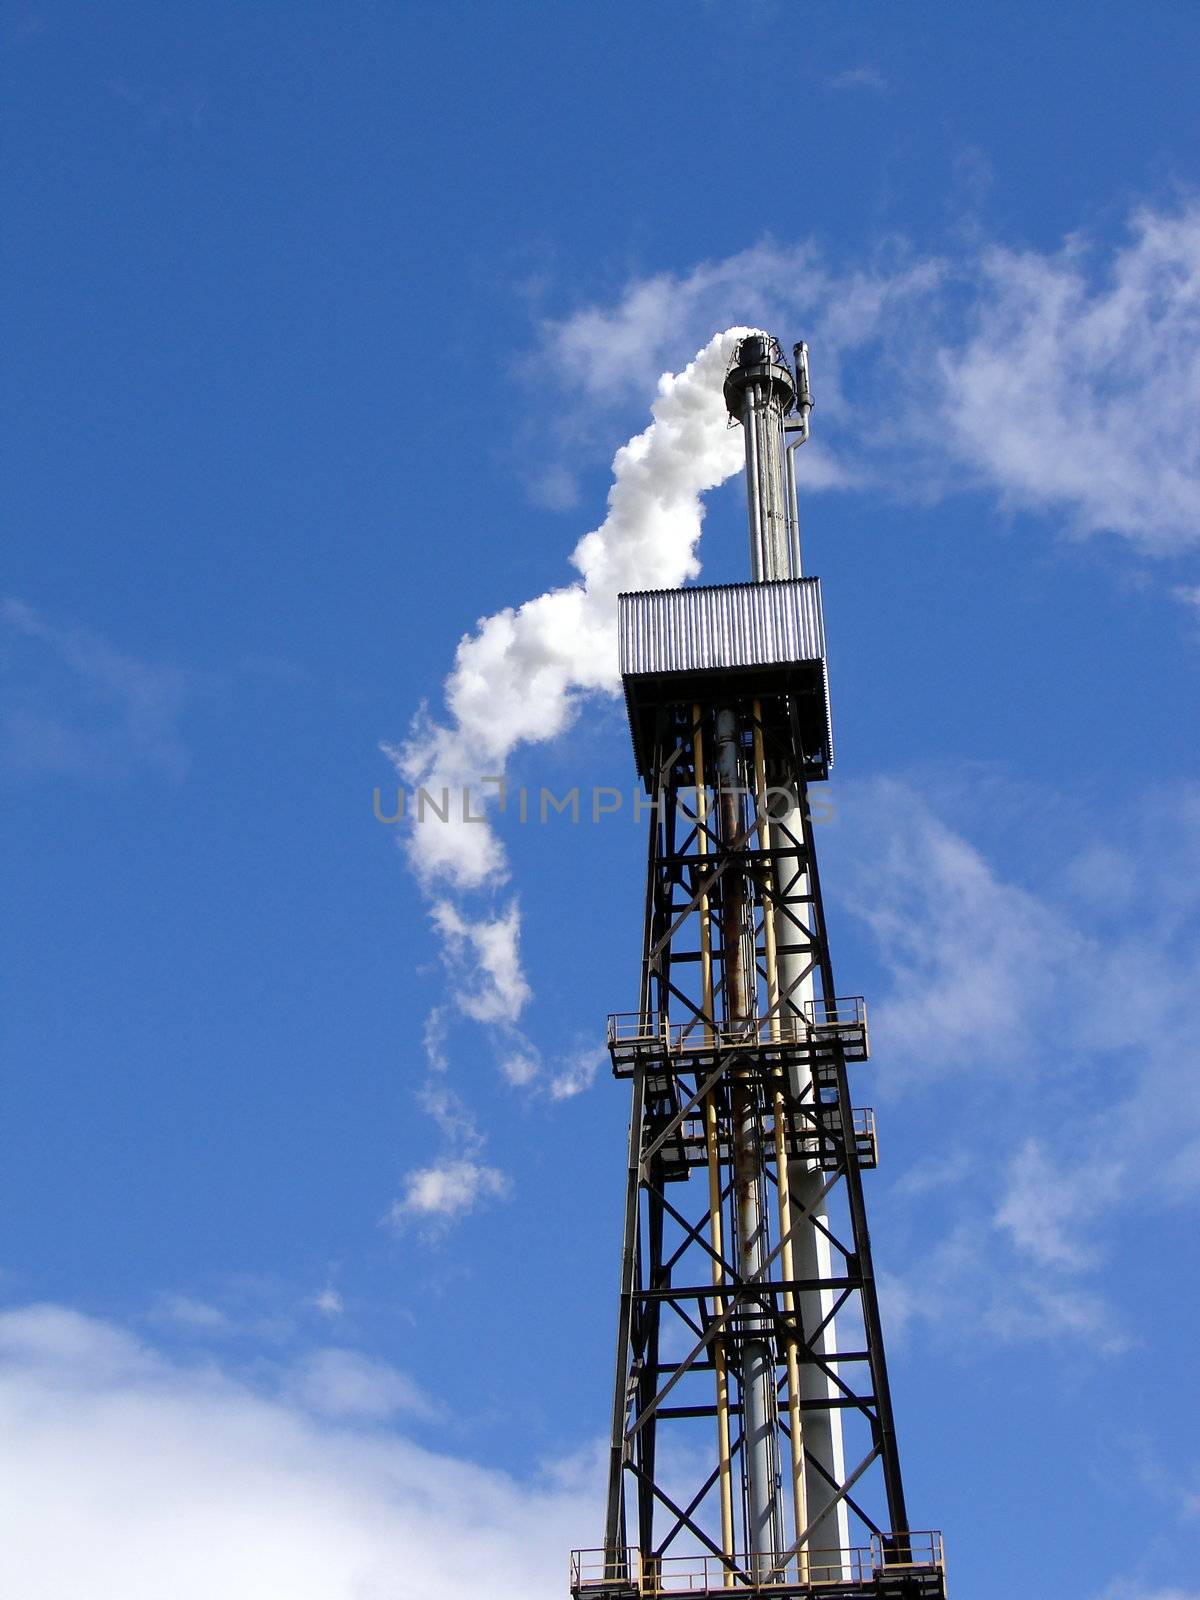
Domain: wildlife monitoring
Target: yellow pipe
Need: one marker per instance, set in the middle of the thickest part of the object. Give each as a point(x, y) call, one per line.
point(702, 848)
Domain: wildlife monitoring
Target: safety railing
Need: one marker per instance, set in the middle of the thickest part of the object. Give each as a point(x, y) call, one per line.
point(839, 1011)
point(809, 1137)
point(637, 1027)
point(841, 1017)
point(700, 1574)
point(652, 1030)
point(819, 1024)
point(895, 1551)
point(755, 1031)
point(814, 1133)
point(595, 1572)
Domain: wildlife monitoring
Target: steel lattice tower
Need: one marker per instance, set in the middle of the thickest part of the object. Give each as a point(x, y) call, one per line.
point(753, 1443)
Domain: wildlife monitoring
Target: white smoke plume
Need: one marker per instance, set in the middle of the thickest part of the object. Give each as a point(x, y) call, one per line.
point(520, 676)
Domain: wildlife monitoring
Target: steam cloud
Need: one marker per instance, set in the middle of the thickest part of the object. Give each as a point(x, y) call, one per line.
point(520, 676)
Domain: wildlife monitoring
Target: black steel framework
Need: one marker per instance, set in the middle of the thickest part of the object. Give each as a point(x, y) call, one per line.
point(732, 882)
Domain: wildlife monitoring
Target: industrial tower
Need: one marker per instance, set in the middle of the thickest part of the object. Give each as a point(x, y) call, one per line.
point(753, 1444)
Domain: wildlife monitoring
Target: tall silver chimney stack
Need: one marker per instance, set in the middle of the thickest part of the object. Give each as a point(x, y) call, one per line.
point(770, 403)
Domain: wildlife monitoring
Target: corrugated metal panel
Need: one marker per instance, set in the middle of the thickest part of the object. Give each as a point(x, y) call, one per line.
point(731, 625)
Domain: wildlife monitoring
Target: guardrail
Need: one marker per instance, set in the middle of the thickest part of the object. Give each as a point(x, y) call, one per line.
point(702, 1574)
point(594, 1571)
point(839, 1011)
point(652, 1029)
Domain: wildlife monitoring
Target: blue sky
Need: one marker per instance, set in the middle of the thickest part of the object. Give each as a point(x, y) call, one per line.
point(324, 326)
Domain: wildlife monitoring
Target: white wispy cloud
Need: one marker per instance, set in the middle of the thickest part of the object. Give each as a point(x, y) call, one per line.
point(973, 958)
point(133, 1476)
point(73, 703)
point(1075, 388)
point(459, 1181)
point(521, 1065)
point(1019, 1000)
point(188, 1312)
point(864, 76)
point(969, 1294)
point(485, 955)
point(446, 1190)
point(606, 355)
point(577, 1073)
point(1047, 1211)
point(1127, 1589)
point(1063, 381)
point(346, 1385)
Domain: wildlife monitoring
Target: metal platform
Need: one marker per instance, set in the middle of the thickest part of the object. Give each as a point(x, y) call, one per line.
point(813, 1134)
point(912, 1569)
point(828, 1032)
point(824, 1029)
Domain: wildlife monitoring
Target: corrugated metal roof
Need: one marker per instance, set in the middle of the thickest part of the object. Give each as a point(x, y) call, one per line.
point(757, 639)
point(725, 625)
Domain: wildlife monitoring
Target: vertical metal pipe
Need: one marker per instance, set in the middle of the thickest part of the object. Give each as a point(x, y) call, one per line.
point(804, 407)
point(766, 484)
point(754, 486)
point(712, 1141)
point(877, 1361)
point(764, 843)
point(774, 494)
point(797, 562)
point(758, 1366)
point(647, 1436)
point(828, 1522)
point(706, 980)
point(615, 1525)
point(712, 1144)
point(780, 1108)
point(615, 1558)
